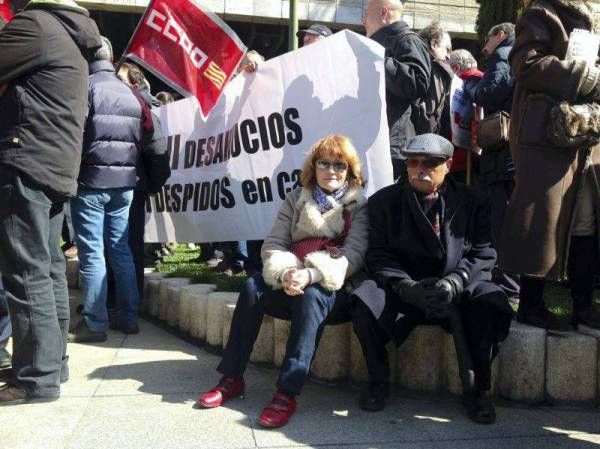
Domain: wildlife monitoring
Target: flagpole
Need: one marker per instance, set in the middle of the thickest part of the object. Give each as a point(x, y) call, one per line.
point(293, 25)
point(122, 58)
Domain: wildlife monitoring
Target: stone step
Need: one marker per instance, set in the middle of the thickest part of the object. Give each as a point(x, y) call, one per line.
point(332, 359)
point(188, 312)
point(420, 359)
point(281, 332)
point(149, 276)
point(216, 304)
point(163, 294)
point(152, 292)
point(571, 367)
point(531, 365)
point(522, 363)
point(596, 334)
point(264, 346)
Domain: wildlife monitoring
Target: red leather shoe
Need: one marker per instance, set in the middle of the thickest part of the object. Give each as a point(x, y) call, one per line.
point(228, 388)
point(278, 412)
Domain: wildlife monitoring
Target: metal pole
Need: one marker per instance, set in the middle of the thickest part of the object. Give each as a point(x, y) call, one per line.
point(293, 26)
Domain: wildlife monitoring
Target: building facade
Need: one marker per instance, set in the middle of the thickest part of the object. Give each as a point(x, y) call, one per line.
point(262, 24)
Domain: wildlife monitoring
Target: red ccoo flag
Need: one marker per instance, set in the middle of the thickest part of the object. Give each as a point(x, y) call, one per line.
point(5, 11)
point(188, 46)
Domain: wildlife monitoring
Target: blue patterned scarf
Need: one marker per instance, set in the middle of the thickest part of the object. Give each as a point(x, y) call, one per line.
point(323, 199)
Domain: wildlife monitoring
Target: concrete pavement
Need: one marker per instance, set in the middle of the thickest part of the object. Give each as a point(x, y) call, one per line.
point(138, 392)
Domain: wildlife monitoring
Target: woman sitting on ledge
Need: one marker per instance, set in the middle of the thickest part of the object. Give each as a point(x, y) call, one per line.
point(318, 241)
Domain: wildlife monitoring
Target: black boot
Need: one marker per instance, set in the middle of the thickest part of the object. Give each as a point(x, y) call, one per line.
point(582, 266)
point(532, 309)
point(372, 340)
point(479, 407)
point(372, 399)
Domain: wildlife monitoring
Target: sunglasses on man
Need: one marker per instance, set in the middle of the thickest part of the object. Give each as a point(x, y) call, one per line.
point(337, 166)
point(428, 162)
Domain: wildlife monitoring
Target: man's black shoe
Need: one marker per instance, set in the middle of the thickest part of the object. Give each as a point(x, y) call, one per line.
point(12, 395)
point(81, 333)
point(5, 359)
point(373, 398)
point(128, 329)
point(479, 407)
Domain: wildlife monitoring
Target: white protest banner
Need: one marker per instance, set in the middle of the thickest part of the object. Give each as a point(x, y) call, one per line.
point(232, 170)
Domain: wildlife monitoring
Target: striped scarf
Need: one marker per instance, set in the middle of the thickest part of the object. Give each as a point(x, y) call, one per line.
point(431, 206)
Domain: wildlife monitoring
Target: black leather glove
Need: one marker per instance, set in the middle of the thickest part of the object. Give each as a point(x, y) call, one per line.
point(450, 287)
point(413, 292)
point(444, 292)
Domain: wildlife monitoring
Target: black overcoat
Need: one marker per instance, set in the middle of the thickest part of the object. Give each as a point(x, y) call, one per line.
point(404, 245)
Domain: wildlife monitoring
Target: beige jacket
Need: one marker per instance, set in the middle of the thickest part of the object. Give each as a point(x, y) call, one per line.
point(299, 218)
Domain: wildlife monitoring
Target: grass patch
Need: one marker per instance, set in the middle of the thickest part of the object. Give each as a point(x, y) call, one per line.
point(181, 264)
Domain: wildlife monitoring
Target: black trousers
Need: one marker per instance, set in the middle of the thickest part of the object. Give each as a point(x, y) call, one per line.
point(484, 326)
point(33, 271)
point(67, 234)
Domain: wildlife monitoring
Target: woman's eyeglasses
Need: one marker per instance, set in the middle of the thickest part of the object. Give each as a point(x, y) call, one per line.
point(428, 162)
point(326, 165)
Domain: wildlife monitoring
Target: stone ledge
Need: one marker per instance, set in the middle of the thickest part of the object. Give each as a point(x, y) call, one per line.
point(522, 363)
point(530, 367)
point(571, 368)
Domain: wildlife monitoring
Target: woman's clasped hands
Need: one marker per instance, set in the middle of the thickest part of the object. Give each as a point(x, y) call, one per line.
point(294, 281)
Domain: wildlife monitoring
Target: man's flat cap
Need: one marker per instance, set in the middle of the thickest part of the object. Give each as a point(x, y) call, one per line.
point(430, 145)
point(317, 29)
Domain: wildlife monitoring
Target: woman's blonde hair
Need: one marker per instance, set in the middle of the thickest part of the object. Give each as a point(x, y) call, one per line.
point(334, 147)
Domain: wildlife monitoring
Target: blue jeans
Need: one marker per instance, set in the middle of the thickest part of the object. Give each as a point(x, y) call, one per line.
point(102, 217)
point(307, 313)
point(33, 273)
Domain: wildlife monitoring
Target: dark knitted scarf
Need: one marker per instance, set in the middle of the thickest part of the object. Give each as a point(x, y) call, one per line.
point(432, 208)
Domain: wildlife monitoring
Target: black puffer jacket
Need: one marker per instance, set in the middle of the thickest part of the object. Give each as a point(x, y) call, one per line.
point(43, 53)
point(407, 77)
point(494, 92)
point(113, 132)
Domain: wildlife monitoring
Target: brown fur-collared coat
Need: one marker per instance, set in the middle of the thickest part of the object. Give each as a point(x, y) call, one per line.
point(538, 219)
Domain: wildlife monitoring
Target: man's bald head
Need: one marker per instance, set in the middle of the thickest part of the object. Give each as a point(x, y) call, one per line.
point(380, 13)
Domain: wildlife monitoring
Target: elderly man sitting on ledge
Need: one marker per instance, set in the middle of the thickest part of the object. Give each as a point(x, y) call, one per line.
point(430, 262)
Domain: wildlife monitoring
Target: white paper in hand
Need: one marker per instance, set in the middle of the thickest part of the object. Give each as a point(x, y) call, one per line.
point(583, 46)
